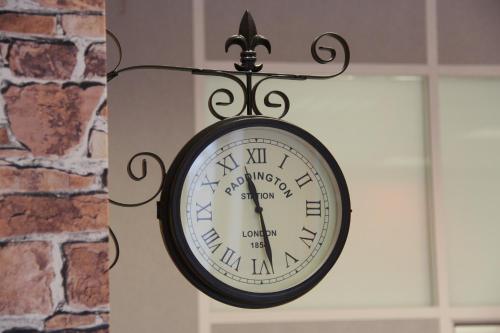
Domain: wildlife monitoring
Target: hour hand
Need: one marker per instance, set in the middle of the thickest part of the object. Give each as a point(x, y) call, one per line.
point(253, 191)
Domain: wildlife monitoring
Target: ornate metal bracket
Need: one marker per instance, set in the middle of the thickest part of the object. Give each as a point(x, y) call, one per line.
point(248, 39)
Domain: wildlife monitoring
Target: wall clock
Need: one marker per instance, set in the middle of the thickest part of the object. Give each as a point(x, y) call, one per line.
point(254, 211)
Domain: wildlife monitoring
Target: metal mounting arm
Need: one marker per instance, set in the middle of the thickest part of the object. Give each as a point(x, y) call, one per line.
point(248, 39)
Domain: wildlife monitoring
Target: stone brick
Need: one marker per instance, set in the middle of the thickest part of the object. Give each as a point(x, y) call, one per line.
point(83, 26)
point(86, 274)
point(105, 317)
point(22, 330)
point(104, 112)
point(90, 5)
point(42, 180)
point(21, 215)
point(69, 320)
point(4, 136)
point(10, 153)
point(51, 119)
point(104, 329)
point(28, 24)
point(42, 60)
point(4, 49)
point(98, 145)
point(26, 273)
point(95, 60)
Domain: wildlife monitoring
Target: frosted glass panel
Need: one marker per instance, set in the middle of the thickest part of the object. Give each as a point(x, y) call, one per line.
point(470, 146)
point(374, 128)
point(477, 329)
point(354, 326)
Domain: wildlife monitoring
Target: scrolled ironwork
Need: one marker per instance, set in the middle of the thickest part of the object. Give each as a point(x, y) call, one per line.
point(267, 101)
point(117, 249)
point(118, 46)
point(229, 94)
point(211, 108)
point(333, 54)
point(144, 169)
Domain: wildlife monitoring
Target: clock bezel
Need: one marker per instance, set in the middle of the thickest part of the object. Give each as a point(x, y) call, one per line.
point(169, 213)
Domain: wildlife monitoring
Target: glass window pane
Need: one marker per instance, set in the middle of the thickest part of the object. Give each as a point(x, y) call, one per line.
point(478, 329)
point(468, 32)
point(470, 146)
point(365, 326)
point(291, 25)
point(374, 127)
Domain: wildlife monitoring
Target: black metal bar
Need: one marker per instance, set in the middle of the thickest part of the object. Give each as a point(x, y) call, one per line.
point(201, 71)
point(249, 93)
point(117, 249)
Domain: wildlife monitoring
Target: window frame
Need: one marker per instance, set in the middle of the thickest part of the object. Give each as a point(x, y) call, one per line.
point(448, 316)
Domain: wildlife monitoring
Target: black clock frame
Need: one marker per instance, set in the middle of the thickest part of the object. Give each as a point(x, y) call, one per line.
point(174, 238)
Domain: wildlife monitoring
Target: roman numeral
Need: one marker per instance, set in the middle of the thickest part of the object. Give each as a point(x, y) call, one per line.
point(257, 155)
point(288, 255)
point(313, 208)
point(212, 240)
point(226, 259)
point(228, 163)
point(263, 266)
point(204, 213)
point(301, 181)
point(309, 238)
point(283, 161)
point(207, 182)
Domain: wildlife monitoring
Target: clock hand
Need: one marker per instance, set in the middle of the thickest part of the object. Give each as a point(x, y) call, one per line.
point(259, 209)
point(267, 245)
point(253, 190)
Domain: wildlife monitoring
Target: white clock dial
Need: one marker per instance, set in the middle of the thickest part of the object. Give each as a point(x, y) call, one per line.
point(298, 196)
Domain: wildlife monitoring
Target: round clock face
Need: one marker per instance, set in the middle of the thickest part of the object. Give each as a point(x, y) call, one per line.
point(260, 211)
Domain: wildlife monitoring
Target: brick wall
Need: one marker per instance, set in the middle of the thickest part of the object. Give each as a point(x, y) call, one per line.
point(53, 164)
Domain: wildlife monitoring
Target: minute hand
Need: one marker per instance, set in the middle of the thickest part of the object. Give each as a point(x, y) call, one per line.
point(258, 209)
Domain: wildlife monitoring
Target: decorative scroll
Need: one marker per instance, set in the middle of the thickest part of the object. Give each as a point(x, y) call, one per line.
point(133, 176)
point(267, 101)
point(224, 91)
point(333, 54)
point(144, 174)
point(117, 249)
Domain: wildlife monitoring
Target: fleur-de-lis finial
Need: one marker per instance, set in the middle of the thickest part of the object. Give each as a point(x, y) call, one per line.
point(248, 40)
